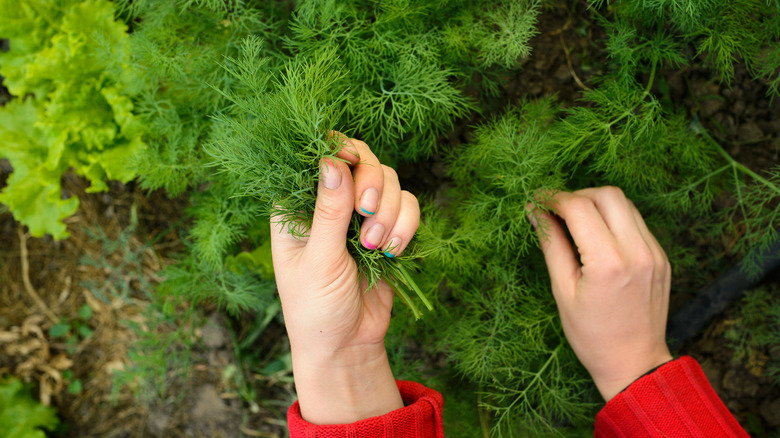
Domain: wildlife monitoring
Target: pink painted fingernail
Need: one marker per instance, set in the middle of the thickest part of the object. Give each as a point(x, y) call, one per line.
point(373, 237)
point(331, 177)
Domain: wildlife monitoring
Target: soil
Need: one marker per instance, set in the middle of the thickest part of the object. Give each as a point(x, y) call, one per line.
point(202, 404)
point(567, 55)
point(744, 384)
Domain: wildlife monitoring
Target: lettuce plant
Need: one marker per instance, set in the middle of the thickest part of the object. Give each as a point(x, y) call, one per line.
point(70, 111)
point(21, 416)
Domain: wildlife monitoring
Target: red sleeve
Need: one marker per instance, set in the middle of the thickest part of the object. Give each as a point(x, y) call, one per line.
point(674, 400)
point(421, 418)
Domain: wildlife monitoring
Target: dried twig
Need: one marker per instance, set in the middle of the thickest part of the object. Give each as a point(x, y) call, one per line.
point(26, 277)
point(571, 67)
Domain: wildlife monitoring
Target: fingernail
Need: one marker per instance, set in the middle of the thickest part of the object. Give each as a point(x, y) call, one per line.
point(392, 247)
point(369, 201)
point(331, 177)
point(373, 237)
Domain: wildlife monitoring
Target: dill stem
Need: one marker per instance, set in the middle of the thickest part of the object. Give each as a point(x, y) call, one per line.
point(414, 286)
point(640, 100)
point(484, 420)
point(652, 78)
point(739, 166)
point(537, 376)
point(404, 297)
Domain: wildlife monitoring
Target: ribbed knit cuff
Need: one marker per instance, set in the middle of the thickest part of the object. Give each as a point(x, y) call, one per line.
point(674, 400)
point(420, 418)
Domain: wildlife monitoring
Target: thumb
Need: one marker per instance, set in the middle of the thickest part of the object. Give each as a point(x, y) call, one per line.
point(562, 263)
point(333, 211)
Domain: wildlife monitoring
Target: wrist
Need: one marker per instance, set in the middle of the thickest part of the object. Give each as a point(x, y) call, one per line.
point(614, 384)
point(345, 386)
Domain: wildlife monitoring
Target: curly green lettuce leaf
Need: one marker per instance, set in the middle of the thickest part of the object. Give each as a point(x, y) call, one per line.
point(67, 61)
point(33, 193)
point(21, 416)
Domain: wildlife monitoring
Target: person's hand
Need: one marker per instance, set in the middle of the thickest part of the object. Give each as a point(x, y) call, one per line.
point(336, 328)
point(614, 300)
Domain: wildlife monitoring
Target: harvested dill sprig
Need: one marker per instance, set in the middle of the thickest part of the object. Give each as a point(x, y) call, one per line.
point(271, 141)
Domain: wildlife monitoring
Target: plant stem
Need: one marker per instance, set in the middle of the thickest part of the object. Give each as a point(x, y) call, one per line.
point(484, 419)
point(739, 166)
point(26, 277)
point(414, 286)
point(404, 297)
point(652, 78)
point(641, 99)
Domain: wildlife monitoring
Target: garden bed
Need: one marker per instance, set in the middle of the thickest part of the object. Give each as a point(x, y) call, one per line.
point(232, 376)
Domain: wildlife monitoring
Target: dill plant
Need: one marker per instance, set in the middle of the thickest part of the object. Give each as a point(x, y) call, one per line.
point(722, 34)
point(271, 142)
point(754, 335)
point(408, 62)
point(177, 49)
point(240, 126)
point(401, 81)
point(650, 36)
point(499, 327)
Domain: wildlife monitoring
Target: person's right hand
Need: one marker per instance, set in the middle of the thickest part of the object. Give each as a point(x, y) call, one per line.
point(614, 300)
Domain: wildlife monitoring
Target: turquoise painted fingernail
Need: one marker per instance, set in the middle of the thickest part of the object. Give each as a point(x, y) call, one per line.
point(369, 201)
point(392, 247)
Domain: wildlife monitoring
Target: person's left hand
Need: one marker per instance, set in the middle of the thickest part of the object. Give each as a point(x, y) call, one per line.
point(336, 327)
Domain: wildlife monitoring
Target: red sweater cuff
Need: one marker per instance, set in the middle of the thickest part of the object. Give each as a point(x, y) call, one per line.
point(674, 400)
point(421, 418)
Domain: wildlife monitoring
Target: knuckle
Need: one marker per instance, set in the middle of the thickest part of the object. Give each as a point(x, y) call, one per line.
point(615, 267)
point(613, 192)
point(360, 144)
point(644, 259)
point(659, 275)
point(579, 204)
point(389, 172)
point(410, 198)
point(411, 211)
point(613, 263)
point(327, 211)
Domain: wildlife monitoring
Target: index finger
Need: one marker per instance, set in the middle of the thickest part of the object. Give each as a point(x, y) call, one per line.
point(617, 211)
point(593, 238)
point(367, 173)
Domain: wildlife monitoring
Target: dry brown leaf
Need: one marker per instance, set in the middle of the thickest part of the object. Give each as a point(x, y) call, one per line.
point(65, 289)
point(25, 348)
point(61, 362)
point(113, 366)
point(48, 387)
point(98, 307)
point(51, 372)
point(32, 324)
point(26, 368)
point(12, 336)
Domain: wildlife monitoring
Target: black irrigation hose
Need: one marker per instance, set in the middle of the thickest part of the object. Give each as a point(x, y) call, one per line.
point(687, 321)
